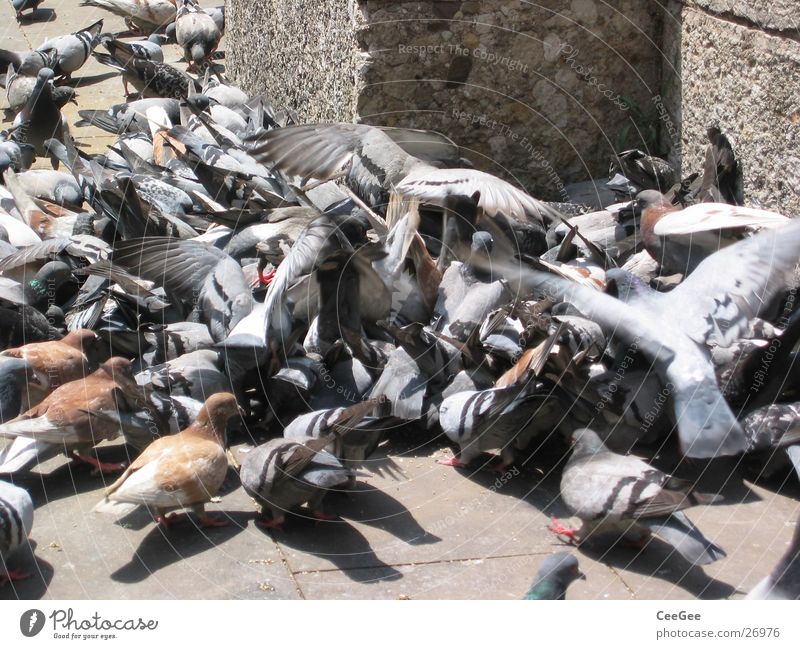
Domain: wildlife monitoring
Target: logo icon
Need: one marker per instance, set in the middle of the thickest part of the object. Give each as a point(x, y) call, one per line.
point(31, 622)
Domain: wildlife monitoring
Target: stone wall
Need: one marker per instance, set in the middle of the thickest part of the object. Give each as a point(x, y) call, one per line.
point(543, 93)
point(738, 62)
point(534, 92)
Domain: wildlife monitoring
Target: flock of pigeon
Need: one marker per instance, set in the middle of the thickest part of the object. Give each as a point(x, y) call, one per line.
point(222, 269)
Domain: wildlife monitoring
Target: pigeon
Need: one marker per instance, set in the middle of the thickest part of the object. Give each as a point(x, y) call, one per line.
point(144, 15)
point(150, 79)
point(21, 81)
point(16, 522)
point(680, 239)
point(40, 290)
point(623, 494)
point(196, 32)
point(73, 50)
point(195, 272)
point(483, 420)
point(130, 117)
point(721, 181)
point(149, 49)
point(57, 362)
point(555, 575)
point(41, 118)
point(714, 305)
point(56, 187)
point(67, 418)
point(21, 5)
point(784, 580)
point(373, 164)
point(359, 428)
point(16, 378)
point(281, 474)
point(646, 171)
point(182, 470)
point(774, 438)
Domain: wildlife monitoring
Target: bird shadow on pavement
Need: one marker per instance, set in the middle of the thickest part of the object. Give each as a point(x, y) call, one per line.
point(88, 80)
point(338, 542)
point(40, 15)
point(40, 575)
point(184, 538)
point(376, 508)
point(658, 560)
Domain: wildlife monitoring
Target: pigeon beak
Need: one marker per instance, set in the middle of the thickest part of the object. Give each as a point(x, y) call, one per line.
point(579, 574)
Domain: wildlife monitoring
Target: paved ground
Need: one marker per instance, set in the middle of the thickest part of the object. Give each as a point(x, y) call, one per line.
point(427, 532)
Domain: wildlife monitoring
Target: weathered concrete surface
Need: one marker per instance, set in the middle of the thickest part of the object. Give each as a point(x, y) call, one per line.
point(748, 80)
point(534, 92)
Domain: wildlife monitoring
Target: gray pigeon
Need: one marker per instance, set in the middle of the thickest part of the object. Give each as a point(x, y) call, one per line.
point(624, 495)
point(144, 15)
point(784, 581)
point(282, 474)
point(149, 50)
point(16, 522)
point(198, 273)
point(196, 32)
point(41, 118)
point(150, 79)
point(73, 50)
point(22, 5)
point(375, 161)
point(555, 575)
point(21, 80)
point(714, 305)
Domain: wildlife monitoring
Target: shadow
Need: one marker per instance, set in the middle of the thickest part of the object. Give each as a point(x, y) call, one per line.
point(72, 477)
point(40, 15)
point(338, 542)
point(163, 547)
point(78, 82)
point(41, 574)
point(375, 508)
point(659, 560)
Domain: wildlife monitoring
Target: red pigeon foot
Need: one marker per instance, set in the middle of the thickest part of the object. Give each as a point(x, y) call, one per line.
point(101, 467)
point(452, 461)
point(559, 529)
point(266, 279)
point(167, 520)
point(269, 524)
point(322, 516)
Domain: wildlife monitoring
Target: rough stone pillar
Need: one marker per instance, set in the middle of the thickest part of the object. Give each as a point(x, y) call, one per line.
point(738, 62)
point(540, 93)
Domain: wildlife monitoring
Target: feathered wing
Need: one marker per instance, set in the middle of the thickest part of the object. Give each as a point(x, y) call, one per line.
point(731, 287)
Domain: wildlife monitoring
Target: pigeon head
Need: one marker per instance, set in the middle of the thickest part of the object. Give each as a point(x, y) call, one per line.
point(48, 280)
point(118, 368)
point(87, 341)
point(63, 95)
point(586, 442)
point(555, 575)
point(652, 198)
point(214, 415)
